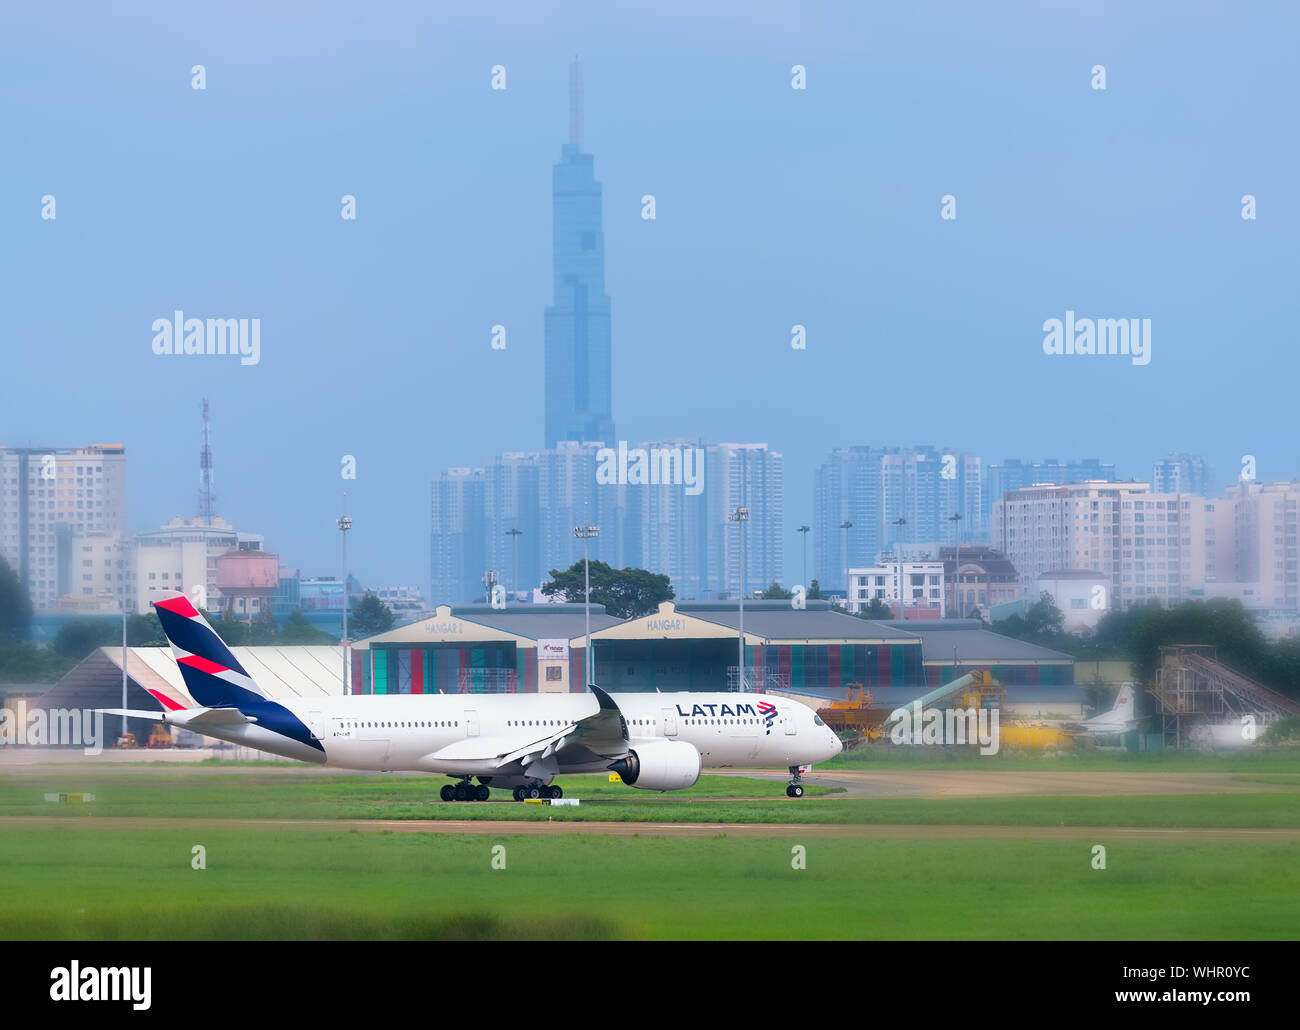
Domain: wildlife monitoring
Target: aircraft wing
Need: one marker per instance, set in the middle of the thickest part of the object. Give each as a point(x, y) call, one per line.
point(603, 733)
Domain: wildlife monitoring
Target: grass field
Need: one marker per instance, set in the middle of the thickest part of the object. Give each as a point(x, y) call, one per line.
point(277, 881)
point(184, 792)
point(79, 884)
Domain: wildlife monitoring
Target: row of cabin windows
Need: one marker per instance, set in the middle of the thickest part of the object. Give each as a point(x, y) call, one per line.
point(723, 722)
point(399, 725)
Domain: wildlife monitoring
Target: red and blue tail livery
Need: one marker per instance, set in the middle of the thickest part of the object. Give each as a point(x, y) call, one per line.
point(216, 680)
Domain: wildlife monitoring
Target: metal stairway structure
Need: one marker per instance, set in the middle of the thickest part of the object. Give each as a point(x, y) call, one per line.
point(1193, 688)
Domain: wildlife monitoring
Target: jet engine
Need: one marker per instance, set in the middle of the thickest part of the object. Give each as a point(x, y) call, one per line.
point(660, 765)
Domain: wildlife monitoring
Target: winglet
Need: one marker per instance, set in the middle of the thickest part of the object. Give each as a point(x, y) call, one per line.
point(606, 702)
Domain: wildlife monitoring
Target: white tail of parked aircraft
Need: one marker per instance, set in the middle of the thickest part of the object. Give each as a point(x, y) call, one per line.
point(1122, 717)
point(516, 741)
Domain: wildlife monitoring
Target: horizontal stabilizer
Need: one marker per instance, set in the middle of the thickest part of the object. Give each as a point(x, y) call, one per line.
point(132, 713)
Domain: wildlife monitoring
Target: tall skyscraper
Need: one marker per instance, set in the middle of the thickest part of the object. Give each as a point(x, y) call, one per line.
point(52, 500)
point(579, 403)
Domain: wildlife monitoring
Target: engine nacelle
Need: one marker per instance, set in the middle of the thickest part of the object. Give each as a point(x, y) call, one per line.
point(660, 765)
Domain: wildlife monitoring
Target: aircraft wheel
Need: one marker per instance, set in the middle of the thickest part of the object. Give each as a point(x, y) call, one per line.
point(483, 792)
point(519, 794)
point(447, 792)
point(556, 792)
point(460, 792)
point(534, 792)
point(795, 790)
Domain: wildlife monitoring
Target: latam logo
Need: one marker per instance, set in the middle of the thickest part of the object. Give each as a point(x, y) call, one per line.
point(765, 710)
point(701, 711)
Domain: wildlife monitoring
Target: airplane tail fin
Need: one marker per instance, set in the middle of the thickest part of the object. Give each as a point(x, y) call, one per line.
point(1124, 702)
point(212, 675)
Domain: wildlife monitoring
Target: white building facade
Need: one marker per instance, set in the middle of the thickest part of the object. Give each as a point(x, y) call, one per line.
point(921, 586)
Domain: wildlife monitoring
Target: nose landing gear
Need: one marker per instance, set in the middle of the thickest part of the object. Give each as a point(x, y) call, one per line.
point(795, 787)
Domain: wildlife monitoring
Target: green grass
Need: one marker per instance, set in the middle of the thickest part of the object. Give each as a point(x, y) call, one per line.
point(188, 793)
point(886, 756)
point(185, 791)
point(277, 884)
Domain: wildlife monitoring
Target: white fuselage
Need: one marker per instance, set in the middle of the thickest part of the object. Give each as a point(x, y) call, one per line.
point(463, 734)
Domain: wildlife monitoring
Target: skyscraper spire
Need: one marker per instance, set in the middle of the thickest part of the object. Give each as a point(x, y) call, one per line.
point(575, 104)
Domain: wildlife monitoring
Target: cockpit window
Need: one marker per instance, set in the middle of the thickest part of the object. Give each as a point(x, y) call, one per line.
point(818, 720)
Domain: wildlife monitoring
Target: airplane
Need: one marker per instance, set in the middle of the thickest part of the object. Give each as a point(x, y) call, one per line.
point(520, 742)
point(1122, 717)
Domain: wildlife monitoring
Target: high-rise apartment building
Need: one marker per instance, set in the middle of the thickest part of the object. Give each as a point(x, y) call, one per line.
point(1181, 474)
point(54, 502)
point(891, 497)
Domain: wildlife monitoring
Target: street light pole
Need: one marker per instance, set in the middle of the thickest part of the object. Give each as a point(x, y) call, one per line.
point(955, 519)
point(846, 525)
point(900, 522)
point(514, 535)
point(803, 532)
point(344, 524)
point(121, 577)
point(740, 516)
point(585, 533)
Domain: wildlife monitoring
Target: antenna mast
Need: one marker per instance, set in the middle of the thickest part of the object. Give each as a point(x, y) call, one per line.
point(206, 496)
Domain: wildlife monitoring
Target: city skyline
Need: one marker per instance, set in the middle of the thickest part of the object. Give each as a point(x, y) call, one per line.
point(372, 328)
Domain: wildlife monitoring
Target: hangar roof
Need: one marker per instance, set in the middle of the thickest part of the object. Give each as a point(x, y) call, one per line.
point(522, 623)
point(776, 621)
point(973, 643)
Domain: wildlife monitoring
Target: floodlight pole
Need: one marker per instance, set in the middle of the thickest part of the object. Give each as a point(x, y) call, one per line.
point(345, 524)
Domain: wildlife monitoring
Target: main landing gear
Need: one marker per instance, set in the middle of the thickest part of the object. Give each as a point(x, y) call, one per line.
point(795, 788)
point(464, 791)
point(538, 790)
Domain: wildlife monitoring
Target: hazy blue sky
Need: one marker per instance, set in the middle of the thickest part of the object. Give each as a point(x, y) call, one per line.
point(775, 207)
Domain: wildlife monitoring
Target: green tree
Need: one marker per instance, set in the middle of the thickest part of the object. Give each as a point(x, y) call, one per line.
point(262, 629)
point(625, 593)
point(26, 662)
point(15, 606)
point(875, 609)
point(776, 592)
point(145, 631)
point(231, 629)
point(79, 637)
point(815, 591)
point(297, 630)
point(369, 616)
point(1044, 618)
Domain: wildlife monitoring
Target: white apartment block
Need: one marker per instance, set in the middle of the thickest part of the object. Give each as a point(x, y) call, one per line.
point(51, 500)
point(181, 557)
point(1148, 545)
point(922, 585)
point(1251, 546)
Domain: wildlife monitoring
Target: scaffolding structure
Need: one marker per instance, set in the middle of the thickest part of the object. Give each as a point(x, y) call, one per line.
point(1194, 689)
